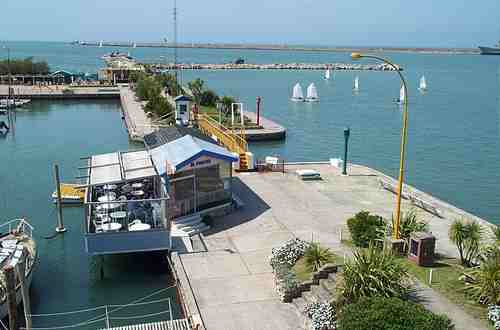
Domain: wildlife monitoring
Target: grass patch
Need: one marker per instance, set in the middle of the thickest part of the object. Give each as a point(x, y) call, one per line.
point(445, 280)
point(302, 271)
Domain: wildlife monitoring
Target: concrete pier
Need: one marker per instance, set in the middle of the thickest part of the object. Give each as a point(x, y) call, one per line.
point(269, 131)
point(232, 283)
point(61, 92)
point(138, 124)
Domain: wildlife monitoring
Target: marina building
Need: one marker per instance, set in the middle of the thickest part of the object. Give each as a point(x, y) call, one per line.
point(132, 198)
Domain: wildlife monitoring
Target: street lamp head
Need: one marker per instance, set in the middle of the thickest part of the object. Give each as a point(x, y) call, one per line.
point(356, 56)
point(347, 132)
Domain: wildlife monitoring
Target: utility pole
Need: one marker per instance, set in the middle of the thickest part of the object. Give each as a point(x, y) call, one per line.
point(21, 275)
point(178, 78)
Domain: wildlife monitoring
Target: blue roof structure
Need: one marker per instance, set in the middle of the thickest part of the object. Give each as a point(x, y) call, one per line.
point(185, 150)
point(182, 98)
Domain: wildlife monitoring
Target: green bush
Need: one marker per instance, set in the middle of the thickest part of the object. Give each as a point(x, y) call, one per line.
point(365, 228)
point(317, 256)
point(374, 272)
point(389, 314)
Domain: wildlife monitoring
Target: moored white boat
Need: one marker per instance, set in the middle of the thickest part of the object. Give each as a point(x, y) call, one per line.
point(402, 95)
point(17, 245)
point(356, 84)
point(312, 93)
point(297, 94)
point(423, 84)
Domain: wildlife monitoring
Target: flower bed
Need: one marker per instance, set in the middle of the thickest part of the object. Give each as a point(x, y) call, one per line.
point(322, 316)
point(494, 315)
point(282, 260)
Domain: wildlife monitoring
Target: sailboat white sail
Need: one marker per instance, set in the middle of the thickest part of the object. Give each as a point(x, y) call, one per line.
point(356, 84)
point(100, 44)
point(327, 74)
point(423, 84)
point(134, 45)
point(312, 93)
point(297, 94)
point(402, 95)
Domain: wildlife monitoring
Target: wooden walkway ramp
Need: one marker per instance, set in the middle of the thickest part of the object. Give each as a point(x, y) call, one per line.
point(180, 324)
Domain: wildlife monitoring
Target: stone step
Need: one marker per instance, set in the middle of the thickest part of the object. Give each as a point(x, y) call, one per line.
point(332, 277)
point(188, 222)
point(195, 230)
point(329, 285)
point(321, 293)
point(309, 297)
point(187, 219)
point(300, 303)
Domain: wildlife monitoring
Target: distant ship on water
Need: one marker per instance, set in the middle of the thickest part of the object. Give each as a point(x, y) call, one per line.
point(490, 50)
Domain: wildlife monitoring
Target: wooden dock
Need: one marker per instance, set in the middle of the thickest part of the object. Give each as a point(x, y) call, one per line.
point(180, 324)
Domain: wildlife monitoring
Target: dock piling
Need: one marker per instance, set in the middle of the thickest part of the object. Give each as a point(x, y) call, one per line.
point(10, 283)
point(21, 275)
point(60, 226)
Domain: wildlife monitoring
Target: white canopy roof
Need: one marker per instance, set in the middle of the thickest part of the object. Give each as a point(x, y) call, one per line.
point(119, 166)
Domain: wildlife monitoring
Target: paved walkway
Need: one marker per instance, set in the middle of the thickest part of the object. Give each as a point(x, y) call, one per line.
point(138, 124)
point(232, 282)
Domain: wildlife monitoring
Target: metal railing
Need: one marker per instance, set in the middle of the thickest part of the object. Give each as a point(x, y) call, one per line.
point(20, 225)
point(233, 142)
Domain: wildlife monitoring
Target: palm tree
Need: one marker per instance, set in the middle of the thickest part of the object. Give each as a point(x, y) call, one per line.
point(196, 87)
point(316, 256)
point(467, 236)
point(374, 272)
point(485, 285)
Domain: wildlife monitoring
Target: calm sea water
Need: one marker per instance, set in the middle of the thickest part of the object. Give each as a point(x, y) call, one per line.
point(453, 144)
point(66, 278)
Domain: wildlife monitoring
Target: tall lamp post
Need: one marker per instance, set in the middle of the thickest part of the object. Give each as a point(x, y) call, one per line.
point(397, 221)
point(9, 76)
point(347, 132)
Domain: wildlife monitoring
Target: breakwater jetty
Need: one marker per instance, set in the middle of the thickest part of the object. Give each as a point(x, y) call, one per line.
point(298, 48)
point(274, 66)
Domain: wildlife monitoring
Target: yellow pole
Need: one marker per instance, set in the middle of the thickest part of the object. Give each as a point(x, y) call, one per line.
point(404, 133)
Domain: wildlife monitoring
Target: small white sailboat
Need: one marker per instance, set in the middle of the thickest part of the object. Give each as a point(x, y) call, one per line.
point(312, 93)
point(100, 44)
point(356, 84)
point(297, 94)
point(134, 45)
point(423, 84)
point(327, 74)
point(402, 95)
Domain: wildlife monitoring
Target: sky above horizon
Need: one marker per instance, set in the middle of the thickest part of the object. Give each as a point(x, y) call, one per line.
point(424, 23)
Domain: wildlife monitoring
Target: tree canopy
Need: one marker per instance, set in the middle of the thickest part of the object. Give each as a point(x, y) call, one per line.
point(24, 66)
